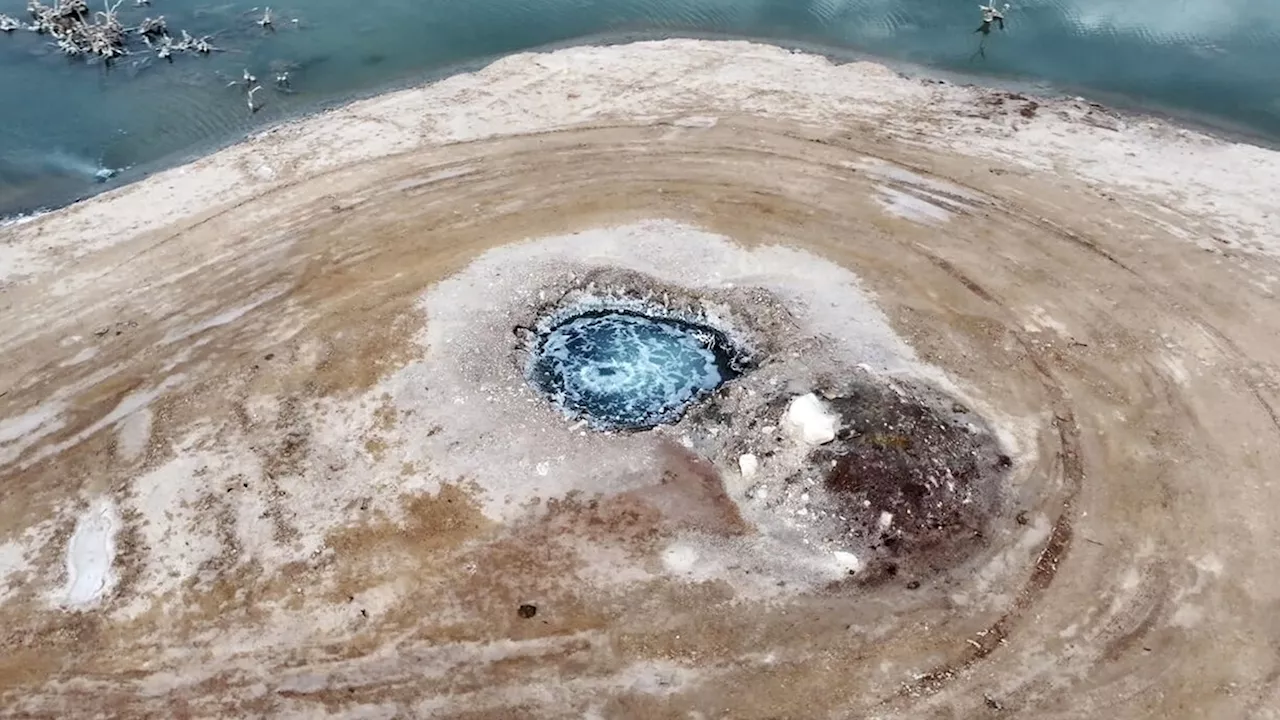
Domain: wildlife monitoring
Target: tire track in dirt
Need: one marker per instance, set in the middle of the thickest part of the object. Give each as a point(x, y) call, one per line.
point(1133, 536)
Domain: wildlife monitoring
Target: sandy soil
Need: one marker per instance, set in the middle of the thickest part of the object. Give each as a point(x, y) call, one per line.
point(266, 450)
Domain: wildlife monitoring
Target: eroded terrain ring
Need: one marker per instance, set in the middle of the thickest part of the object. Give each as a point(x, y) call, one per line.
point(301, 428)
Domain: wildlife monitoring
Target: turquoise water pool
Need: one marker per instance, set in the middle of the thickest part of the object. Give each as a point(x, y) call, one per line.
point(1217, 61)
point(621, 370)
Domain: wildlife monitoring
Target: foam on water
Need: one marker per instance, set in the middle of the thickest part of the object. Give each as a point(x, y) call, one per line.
point(622, 370)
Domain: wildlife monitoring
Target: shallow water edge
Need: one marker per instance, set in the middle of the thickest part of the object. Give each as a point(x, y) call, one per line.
point(1139, 109)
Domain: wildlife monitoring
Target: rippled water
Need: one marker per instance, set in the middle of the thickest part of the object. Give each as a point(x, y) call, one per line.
point(1215, 59)
point(621, 370)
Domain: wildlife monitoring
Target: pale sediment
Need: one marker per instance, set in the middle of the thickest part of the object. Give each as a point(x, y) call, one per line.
point(286, 381)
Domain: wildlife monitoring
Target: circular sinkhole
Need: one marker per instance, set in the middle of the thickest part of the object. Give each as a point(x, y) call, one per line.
point(624, 369)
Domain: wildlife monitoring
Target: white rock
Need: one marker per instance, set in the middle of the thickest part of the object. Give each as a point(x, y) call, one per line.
point(807, 419)
point(847, 560)
point(748, 465)
point(886, 519)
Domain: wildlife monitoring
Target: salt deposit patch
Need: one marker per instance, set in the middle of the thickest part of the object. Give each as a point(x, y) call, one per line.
point(180, 536)
point(127, 406)
point(434, 177)
point(91, 553)
point(912, 207)
point(16, 428)
point(680, 559)
point(216, 500)
point(696, 121)
point(84, 355)
point(13, 560)
point(1175, 369)
point(1038, 319)
point(133, 434)
point(20, 432)
point(899, 175)
point(225, 317)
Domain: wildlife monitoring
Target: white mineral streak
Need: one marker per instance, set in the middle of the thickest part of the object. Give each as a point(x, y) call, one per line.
point(91, 553)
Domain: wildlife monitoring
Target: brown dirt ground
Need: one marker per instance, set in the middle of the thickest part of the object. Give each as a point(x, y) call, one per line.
point(1148, 592)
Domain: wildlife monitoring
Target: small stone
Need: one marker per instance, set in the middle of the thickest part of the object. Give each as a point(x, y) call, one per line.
point(748, 465)
point(527, 611)
point(847, 561)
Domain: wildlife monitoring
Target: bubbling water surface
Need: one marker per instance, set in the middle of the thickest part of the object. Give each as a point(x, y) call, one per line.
point(622, 370)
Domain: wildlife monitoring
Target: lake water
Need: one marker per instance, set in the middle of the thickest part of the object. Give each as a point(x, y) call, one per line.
point(1215, 60)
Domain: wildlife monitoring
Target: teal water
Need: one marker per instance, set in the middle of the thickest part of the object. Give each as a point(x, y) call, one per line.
point(621, 370)
point(1215, 60)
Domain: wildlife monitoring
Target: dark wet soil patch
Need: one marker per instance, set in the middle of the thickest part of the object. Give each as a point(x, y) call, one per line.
point(916, 477)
